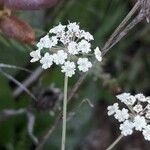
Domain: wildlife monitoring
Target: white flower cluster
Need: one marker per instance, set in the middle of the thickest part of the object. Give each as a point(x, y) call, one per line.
point(135, 117)
point(67, 46)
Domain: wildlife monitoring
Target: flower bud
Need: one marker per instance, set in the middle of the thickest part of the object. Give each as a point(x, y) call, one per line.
point(29, 4)
point(16, 28)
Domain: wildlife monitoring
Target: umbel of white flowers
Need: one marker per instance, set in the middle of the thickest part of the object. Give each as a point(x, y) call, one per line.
point(136, 115)
point(67, 46)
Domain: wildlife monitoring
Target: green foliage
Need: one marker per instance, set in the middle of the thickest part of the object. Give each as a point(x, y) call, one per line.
point(127, 64)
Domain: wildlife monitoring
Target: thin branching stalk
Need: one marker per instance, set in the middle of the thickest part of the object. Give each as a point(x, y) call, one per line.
point(120, 28)
point(115, 142)
point(14, 67)
point(59, 117)
point(28, 82)
point(63, 142)
point(117, 35)
point(11, 78)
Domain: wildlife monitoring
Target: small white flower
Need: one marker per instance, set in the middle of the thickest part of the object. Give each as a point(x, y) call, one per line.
point(46, 61)
point(112, 109)
point(130, 100)
point(123, 97)
point(80, 34)
point(71, 35)
point(87, 36)
point(138, 108)
point(140, 97)
point(36, 55)
point(126, 98)
point(65, 39)
point(45, 42)
point(58, 29)
point(148, 99)
point(68, 68)
point(137, 119)
point(73, 27)
point(146, 133)
point(66, 43)
point(139, 123)
point(60, 57)
point(126, 128)
point(40, 45)
point(98, 54)
point(72, 48)
point(84, 46)
point(54, 41)
point(147, 114)
point(148, 106)
point(122, 115)
point(84, 64)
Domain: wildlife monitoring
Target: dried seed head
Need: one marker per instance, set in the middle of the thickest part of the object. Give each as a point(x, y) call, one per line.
point(16, 28)
point(29, 4)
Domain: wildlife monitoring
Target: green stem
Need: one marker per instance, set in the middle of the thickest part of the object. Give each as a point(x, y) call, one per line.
point(115, 142)
point(63, 142)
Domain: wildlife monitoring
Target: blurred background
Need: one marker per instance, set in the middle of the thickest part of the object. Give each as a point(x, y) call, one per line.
point(126, 68)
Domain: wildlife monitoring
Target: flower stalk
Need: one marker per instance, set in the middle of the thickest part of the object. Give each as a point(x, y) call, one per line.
point(115, 142)
point(63, 142)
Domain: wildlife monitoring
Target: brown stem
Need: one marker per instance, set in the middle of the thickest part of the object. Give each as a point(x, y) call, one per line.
point(120, 27)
